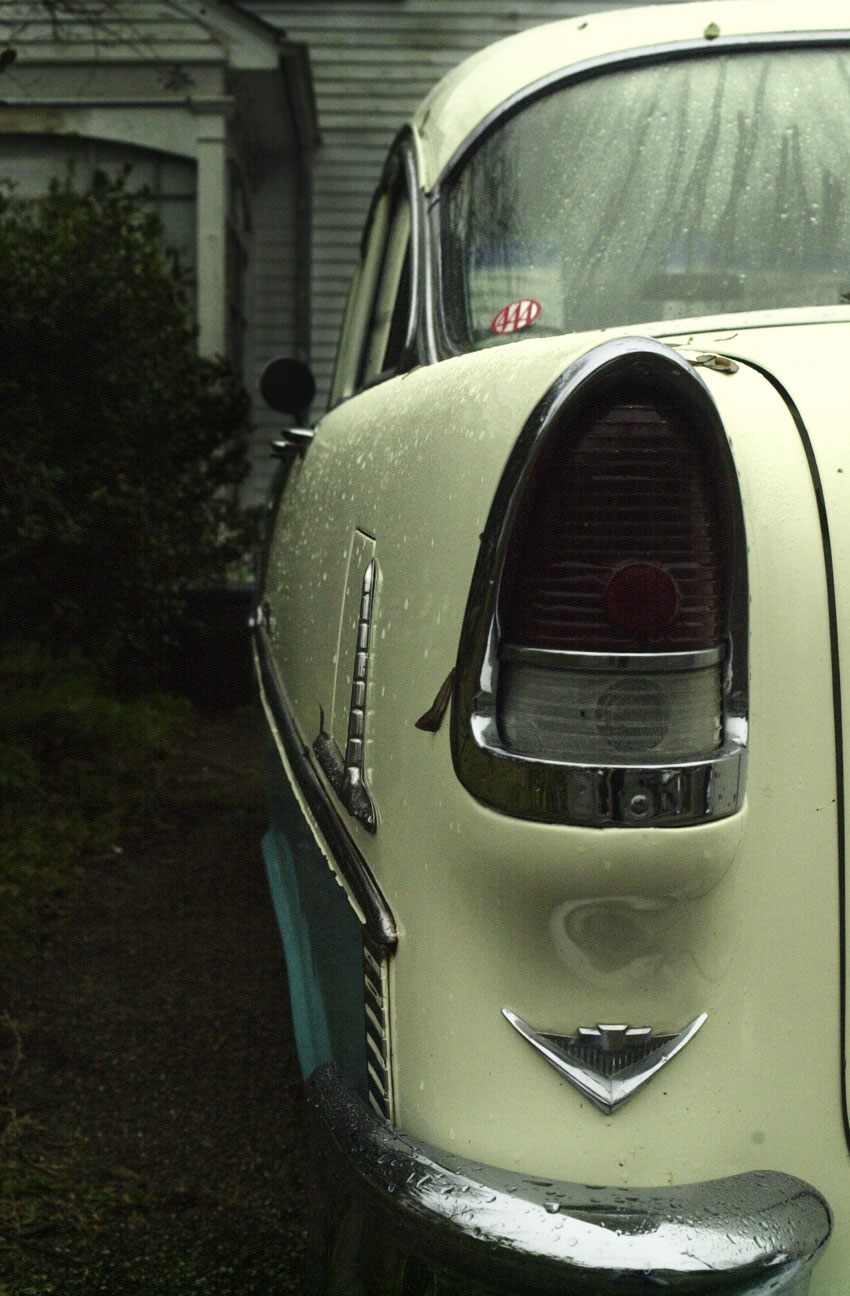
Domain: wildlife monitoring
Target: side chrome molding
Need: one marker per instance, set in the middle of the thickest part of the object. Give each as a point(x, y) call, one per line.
point(608, 1064)
point(378, 926)
point(379, 922)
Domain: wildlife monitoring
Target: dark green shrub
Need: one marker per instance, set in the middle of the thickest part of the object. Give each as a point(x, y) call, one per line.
point(120, 447)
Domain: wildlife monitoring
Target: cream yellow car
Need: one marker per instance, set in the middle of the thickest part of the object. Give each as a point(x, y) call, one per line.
point(552, 637)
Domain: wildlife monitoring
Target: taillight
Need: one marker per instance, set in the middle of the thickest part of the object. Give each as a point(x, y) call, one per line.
point(602, 669)
point(617, 541)
point(613, 599)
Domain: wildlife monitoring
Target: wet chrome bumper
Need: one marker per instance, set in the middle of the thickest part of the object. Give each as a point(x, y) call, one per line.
point(756, 1234)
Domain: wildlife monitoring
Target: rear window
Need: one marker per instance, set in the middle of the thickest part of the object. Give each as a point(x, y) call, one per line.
point(696, 186)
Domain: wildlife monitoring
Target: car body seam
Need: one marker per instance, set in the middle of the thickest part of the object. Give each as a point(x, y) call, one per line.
point(835, 666)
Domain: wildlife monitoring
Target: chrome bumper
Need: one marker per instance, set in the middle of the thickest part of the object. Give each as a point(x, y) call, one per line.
point(756, 1234)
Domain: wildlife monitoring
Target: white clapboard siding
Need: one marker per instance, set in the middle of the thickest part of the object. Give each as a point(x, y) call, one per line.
point(158, 26)
point(373, 61)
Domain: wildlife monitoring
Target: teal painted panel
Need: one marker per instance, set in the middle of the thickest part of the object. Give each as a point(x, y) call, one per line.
point(309, 1019)
point(322, 938)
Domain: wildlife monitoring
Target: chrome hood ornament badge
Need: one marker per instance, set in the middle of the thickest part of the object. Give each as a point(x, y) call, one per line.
point(608, 1064)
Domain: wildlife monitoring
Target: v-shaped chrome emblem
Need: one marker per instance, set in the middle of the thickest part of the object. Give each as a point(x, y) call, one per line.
point(608, 1064)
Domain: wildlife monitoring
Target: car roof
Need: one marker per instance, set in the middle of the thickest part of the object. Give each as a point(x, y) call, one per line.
point(479, 86)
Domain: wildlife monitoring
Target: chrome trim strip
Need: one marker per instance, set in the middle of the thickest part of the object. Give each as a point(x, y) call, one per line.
point(624, 662)
point(654, 794)
point(410, 350)
point(622, 1076)
point(345, 779)
point(402, 154)
point(296, 438)
point(379, 922)
point(750, 1233)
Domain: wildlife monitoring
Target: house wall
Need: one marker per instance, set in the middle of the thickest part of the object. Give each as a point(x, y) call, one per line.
point(207, 90)
point(146, 79)
point(373, 61)
point(277, 318)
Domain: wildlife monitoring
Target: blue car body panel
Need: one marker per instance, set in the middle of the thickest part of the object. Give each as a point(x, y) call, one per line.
point(322, 938)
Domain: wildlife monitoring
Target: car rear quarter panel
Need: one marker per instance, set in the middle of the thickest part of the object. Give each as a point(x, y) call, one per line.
point(564, 925)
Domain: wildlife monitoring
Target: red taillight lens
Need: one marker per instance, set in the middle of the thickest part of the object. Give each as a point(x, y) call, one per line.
point(640, 600)
point(617, 548)
point(615, 554)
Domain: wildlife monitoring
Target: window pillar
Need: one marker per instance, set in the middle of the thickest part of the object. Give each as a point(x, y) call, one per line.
point(212, 233)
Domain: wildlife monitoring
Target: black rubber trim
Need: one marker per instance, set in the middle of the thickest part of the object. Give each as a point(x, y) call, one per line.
point(837, 711)
point(380, 925)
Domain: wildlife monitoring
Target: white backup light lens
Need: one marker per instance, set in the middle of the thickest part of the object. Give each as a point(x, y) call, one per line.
point(608, 716)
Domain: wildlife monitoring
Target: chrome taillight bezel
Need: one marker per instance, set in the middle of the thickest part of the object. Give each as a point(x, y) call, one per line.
point(625, 794)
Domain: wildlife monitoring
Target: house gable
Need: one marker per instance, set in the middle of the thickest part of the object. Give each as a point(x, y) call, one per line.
point(200, 98)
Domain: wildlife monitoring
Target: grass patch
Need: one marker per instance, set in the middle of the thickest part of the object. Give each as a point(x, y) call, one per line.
point(119, 822)
point(41, 1195)
point(76, 765)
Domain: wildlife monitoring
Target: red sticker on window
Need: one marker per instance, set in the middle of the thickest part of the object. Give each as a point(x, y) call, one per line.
point(518, 315)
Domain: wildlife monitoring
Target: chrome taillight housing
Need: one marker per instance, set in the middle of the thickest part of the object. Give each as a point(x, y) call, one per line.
point(602, 668)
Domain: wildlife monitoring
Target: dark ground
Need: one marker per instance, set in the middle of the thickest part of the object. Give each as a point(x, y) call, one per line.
point(155, 1088)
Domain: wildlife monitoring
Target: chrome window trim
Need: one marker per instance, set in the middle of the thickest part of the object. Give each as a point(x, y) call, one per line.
point(752, 1233)
point(590, 661)
point(404, 149)
point(432, 280)
point(379, 923)
point(439, 342)
point(620, 794)
point(401, 156)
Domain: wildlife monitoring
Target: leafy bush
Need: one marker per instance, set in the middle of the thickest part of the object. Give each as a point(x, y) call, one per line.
point(120, 447)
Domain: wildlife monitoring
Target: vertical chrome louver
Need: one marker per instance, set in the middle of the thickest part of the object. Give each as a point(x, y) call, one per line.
point(345, 774)
point(376, 970)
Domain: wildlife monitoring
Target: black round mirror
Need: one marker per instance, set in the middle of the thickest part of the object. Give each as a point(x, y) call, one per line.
point(287, 386)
